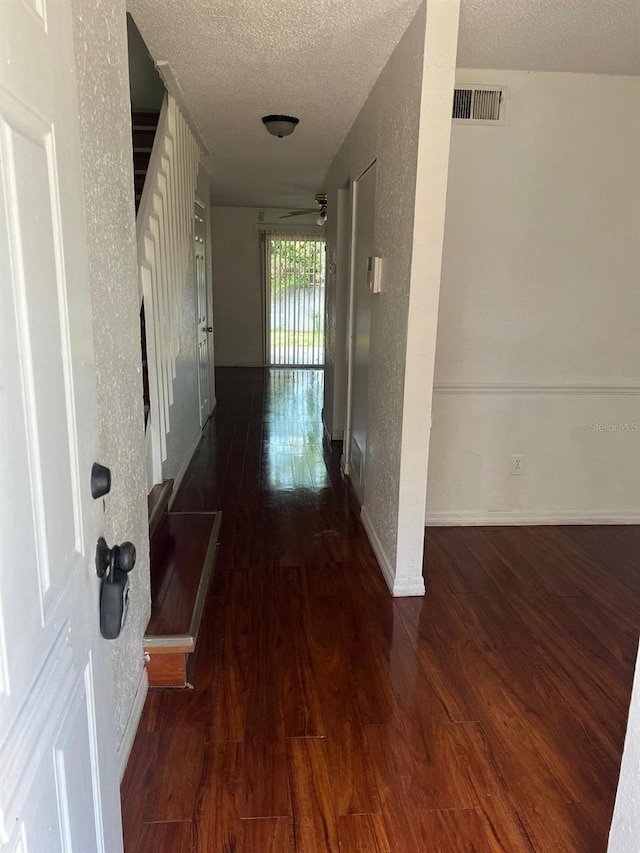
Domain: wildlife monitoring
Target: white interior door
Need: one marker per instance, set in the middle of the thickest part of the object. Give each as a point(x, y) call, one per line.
point(205, 330)
point(363, 235)
point(59, 784)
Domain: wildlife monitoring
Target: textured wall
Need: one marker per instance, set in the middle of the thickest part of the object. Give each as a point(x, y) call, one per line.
point(625, 827)
point(540, 288)
point(237, 299)
point(388, 128)
point(105, 131)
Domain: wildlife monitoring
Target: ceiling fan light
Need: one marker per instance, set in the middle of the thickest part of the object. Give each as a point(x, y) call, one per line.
point(280, 126)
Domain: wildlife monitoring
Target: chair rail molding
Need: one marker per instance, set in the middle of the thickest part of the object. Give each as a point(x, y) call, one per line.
point(537, 388)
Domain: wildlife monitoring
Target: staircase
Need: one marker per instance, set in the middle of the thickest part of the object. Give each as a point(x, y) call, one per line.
point(166, 160)
point(143, 126)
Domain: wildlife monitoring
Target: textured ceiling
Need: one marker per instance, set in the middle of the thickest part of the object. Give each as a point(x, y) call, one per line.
point(237, 60)
point(591, 36)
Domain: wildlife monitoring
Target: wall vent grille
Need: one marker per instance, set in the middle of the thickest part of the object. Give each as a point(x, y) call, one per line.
point(479, 104)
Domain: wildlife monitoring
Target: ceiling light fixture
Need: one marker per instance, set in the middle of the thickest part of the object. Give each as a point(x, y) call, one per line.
point(280, 125)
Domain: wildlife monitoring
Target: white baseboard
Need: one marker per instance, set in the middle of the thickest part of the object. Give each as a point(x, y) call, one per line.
point(462, 518)
point(407, 587)
point(383, 561)
point(336, 435)
point(126, 744)
point(177, 480)
point(398, 587)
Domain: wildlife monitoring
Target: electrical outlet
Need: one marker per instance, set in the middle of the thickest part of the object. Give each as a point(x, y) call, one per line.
point(517, 463)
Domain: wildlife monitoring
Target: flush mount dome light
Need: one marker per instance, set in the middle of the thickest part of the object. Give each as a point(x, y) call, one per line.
point(280, 125)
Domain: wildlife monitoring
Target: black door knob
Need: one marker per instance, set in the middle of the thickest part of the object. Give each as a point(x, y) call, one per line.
point(121, 557)
point(208, 328)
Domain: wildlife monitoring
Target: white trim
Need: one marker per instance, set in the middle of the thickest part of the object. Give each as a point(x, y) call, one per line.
point(408, 587)
point(170, 641)
point(398, 586)
point(129, 734)
point(384, 562)
point(275, 228)
point(177, 480)
point(349, 341)
point(470, 517)
point(581, 388)
point(336, 435)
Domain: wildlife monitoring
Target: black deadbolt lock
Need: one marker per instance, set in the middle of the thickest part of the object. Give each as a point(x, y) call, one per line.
point(100, 480)
point(113, 566)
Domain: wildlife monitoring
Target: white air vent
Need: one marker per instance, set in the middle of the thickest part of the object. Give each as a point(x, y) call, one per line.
point(479, 104)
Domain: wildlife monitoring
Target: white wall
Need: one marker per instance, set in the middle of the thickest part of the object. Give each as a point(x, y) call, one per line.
point(404, 124)
point(625, 827)
point(237, 282)
point(146, 89)
point(539, 322)
point(105, 131)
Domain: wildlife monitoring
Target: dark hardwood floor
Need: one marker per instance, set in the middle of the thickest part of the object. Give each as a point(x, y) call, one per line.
point(327, 716)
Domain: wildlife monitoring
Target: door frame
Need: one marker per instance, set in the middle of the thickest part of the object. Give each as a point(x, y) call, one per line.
point(292, 234)
point(345, 461)
point(198, 202)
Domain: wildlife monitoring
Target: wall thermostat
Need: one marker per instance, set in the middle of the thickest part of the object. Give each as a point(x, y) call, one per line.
point(374, 274)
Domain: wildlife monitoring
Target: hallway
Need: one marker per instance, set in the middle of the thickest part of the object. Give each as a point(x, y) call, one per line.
point(327, 716)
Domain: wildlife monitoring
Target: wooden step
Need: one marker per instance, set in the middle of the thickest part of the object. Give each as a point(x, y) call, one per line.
point(143, 120)
point(143, 140)
point(141, 161)
point(183, 551)
point(158, 504)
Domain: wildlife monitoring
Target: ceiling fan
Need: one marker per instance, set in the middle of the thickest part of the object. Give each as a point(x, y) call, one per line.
point(321, 210)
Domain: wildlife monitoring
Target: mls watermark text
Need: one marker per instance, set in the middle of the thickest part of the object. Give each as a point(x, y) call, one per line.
point(619, 426)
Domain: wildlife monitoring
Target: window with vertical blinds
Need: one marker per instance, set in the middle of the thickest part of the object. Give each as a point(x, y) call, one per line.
point(295, 283)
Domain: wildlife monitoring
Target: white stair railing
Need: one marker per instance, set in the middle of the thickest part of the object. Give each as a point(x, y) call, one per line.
point(165, 243)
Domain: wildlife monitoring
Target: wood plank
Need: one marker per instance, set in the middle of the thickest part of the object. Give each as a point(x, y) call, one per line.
point(167, 670)
point(315, 828)
point(265, 835)
point(176, 836)
point(363, 833)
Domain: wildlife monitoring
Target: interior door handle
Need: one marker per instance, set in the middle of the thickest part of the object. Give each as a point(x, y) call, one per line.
point(208, 328)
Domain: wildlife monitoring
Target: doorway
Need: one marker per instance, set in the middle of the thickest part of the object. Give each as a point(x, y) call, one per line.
point(295, 299)
point(360, 305)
